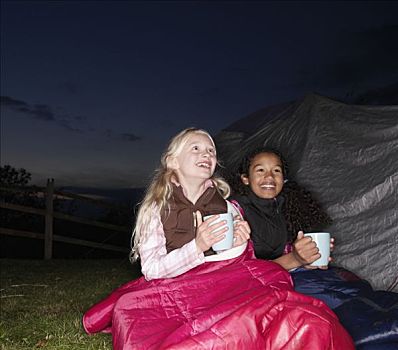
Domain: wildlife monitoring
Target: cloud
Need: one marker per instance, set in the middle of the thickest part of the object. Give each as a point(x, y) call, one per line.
point(41, 112)
point(44, 113)
point(66, 125)
point(124, 136)
point(11, 102)
point(37, 111)
point(130, 137)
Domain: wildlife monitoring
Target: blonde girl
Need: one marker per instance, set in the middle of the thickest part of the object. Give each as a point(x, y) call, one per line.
point(170, 236)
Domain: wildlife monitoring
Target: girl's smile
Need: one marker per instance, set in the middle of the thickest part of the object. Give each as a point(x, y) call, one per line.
point(197, 158)
point(204, 164)
point(265, 176)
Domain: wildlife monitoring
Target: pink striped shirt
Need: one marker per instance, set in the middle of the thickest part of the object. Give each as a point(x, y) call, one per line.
point(156, 262)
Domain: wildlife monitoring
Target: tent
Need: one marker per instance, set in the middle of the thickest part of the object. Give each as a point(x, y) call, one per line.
point(347, 155)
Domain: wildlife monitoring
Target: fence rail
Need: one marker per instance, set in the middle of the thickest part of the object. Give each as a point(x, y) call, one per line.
point(49, 214)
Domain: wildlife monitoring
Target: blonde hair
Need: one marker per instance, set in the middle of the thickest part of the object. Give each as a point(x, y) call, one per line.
point(160, 189)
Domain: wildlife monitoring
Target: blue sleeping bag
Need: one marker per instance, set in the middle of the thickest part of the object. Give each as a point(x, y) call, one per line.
point(371, 317)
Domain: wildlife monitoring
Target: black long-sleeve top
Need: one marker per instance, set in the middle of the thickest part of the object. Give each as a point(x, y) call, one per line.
point(268, 226)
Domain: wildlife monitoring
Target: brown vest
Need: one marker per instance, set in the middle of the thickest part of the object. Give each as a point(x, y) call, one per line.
point(179, 224)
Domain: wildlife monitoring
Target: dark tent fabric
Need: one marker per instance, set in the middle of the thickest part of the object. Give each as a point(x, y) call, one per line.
point(347, 155)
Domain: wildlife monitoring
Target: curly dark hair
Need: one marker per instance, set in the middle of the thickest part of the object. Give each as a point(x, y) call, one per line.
point(301, 210)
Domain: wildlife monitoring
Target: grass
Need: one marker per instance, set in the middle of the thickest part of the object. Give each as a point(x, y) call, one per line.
point(42, 302)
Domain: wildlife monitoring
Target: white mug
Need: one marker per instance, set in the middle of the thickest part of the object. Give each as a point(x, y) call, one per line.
point(322, 240)
point(228, 241)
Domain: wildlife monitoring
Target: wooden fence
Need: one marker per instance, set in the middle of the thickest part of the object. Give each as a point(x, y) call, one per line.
point(49, 214)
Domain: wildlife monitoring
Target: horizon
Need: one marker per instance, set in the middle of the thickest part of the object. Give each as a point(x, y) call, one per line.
point(40, 181)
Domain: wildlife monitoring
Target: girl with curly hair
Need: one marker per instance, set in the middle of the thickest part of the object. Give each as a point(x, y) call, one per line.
point(277, 210)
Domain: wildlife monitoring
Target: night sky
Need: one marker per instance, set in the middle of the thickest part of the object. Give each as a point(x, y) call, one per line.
point(93, 90)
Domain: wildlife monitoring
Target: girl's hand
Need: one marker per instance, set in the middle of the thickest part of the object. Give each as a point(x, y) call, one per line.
point(205, 232)
point(309, 267)
point(241, 231)
point(330, 258)
point(305, 250)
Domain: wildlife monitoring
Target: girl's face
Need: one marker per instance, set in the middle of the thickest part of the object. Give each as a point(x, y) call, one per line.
point(197, 159)
point(265, 176)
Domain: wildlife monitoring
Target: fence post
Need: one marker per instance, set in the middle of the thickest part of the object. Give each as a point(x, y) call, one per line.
point(49, 218)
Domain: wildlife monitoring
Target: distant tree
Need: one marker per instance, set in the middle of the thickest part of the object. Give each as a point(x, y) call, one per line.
point(9, 176)
point(18, 179)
